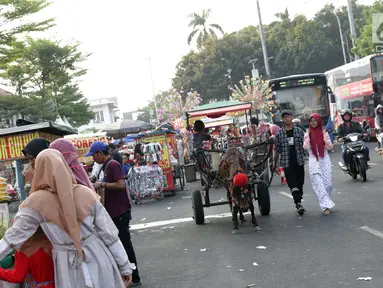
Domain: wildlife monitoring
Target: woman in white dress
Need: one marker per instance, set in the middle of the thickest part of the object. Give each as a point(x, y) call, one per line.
point(317, 142)
point(86, 249)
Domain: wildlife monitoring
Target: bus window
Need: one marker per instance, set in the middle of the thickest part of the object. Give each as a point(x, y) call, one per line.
point(377, 69)
point(304, 101)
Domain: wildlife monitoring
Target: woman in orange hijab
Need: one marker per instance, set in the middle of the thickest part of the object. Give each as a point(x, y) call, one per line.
point(86, 249)
point(317, 142)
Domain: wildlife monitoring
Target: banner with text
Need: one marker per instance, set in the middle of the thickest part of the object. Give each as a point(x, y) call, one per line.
point(11, 146)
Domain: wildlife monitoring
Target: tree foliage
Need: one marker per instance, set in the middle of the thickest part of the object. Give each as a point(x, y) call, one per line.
point(45, 78)
point(364, 45)
point(201, 27)
point(296, 45)
point(14, 22)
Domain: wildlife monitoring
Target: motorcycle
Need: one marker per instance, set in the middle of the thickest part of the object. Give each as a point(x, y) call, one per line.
point(355, 149)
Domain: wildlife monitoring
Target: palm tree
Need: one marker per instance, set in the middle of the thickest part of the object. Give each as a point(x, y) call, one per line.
point(200, 25)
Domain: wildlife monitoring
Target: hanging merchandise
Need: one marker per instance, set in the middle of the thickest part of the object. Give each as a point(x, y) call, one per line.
point(152, 152)
point(3, 190)
point(146, 182)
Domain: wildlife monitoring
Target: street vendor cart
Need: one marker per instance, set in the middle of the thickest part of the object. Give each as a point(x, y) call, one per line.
point(167, 139)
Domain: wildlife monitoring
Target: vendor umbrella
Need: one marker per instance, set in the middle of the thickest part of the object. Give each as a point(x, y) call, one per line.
point(127, 126)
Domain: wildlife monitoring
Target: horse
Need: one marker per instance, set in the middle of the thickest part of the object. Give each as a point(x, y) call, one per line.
point(239, 191)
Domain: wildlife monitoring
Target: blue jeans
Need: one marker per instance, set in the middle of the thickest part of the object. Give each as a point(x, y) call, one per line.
point(345, 156)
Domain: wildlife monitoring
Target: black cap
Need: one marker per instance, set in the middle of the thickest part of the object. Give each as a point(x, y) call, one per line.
point(287, 112)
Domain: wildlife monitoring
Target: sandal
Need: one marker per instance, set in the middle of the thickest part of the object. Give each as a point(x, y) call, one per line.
point(326, 212)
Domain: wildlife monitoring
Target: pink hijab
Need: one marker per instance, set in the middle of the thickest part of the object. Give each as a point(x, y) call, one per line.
point(67, 149)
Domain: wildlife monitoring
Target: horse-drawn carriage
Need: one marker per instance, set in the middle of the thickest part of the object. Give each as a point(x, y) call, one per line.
point(237, 172)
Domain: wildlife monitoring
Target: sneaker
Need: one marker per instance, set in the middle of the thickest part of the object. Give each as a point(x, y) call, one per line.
point(300, 209)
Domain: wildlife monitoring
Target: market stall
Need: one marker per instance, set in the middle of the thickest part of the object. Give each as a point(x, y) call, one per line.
point(12, 160)
point(13, 141)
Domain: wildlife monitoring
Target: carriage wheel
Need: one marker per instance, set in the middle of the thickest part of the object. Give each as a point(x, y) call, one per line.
point(182, 178)
point(199, 215)
point(263, 196)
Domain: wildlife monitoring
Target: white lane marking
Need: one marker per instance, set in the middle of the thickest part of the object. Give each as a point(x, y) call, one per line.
point(177, 221)
point(372, 164)
point(288, 195)
point(372, 231)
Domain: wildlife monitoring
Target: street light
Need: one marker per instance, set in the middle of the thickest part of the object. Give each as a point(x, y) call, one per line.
point(341, 38)
point(352, 25)
point(253, 61)
point(154, 91)
point(263, 41)
point(254, 72)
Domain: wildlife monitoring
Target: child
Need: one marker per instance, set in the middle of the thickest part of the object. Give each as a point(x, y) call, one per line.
point(32, 262)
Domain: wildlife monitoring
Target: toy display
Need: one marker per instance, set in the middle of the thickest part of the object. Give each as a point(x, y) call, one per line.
point(146, 182)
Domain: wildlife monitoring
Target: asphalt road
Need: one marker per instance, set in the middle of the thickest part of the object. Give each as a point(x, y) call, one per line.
point(301, 252)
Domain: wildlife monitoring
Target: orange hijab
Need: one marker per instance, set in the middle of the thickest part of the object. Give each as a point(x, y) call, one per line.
point(56, 195)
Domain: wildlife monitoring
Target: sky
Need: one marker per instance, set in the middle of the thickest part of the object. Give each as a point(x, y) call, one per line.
point(121, 34)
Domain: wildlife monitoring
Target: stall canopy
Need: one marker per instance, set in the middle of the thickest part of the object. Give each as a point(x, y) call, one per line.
point(127, 127)
point(219, 109)
point(222, 121)
point(13, 140)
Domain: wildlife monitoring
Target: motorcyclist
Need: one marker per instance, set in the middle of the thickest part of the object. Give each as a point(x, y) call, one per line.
point(348, 126)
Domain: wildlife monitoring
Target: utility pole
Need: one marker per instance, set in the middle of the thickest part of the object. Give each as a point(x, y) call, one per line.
point(352, 24)
point(341, 39)
point(154, 91)
point(263, 41)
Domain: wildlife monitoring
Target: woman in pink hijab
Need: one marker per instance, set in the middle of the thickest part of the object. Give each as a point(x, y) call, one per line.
point(67, 149)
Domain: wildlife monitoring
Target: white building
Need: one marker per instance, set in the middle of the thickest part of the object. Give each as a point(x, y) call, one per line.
point(133, 115)
point(107, 112)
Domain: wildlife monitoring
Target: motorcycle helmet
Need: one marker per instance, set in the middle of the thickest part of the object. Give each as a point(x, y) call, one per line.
point(344, 112)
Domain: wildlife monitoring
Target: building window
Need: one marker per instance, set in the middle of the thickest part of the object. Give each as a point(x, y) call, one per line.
point(99, 117)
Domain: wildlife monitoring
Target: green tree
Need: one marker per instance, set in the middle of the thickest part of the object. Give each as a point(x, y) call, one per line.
point(364, 45)
point(14, 21)
point(296, 45)
point(150, 108)
point(46, 76)
point(200, 26)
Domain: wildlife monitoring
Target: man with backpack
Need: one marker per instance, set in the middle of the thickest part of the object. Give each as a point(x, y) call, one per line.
point(116, 199)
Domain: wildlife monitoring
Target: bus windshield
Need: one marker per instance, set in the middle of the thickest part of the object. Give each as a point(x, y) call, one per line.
point(303, 101)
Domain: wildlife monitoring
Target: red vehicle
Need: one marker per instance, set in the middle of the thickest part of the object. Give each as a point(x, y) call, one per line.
point(358, 86)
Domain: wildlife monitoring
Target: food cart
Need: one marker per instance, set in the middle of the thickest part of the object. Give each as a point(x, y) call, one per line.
point(167, 139)
point(12, 142)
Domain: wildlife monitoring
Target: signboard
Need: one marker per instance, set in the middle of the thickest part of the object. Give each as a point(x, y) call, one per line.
point(356, 89)
point(83, 143)
point(11, 146)
point(297, 82)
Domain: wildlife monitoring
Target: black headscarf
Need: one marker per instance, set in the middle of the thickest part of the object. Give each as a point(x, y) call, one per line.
point(35, 146)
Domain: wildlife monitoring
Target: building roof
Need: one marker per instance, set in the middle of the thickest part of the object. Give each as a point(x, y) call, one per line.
point(48, 127)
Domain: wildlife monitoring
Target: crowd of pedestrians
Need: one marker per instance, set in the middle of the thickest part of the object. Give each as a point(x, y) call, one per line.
point(62, 235)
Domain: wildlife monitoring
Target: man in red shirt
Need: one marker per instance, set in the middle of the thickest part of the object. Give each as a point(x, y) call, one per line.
point(116, 199)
